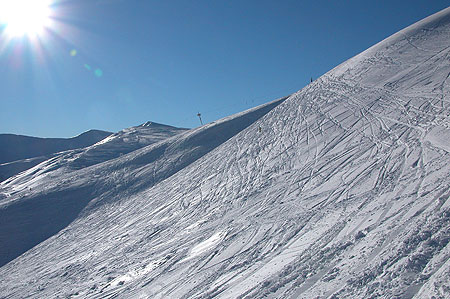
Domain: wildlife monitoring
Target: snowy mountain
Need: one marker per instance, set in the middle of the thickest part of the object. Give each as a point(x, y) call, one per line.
point(102, 149)
point(339, 191)
point(39, 202)
point(18, 147)
point(18, 153)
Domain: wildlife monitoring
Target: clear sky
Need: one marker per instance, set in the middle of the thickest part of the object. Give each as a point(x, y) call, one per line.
point(112, 64)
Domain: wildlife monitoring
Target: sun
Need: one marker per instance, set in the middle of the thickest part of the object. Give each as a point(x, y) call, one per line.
point(24, 17)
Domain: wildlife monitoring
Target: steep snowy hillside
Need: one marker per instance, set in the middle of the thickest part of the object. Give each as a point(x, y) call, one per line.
point(39, 202)
point(10, 169)
point(19, 153)
point(341, 191)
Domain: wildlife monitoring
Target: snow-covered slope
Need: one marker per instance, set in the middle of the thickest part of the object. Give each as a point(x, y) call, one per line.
point(19, 153)
point(341, 191)
point(18, 147)
point(113, 146)
point(41, 201)
point(12, 168)
point(123, 142)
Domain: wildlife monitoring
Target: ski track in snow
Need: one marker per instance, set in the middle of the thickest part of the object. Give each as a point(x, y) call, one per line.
point(343, 193)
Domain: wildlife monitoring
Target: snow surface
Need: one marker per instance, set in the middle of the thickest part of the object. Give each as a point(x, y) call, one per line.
point(19, 153)
point(339, 191)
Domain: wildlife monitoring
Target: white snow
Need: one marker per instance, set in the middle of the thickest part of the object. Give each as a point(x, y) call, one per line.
point(339, 191)
point(206, 245)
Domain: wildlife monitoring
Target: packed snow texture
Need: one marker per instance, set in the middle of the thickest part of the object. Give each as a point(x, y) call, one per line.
point(41, 201)
point(339, 191)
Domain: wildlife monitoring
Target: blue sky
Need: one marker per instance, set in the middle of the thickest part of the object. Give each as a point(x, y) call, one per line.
point(111, 64)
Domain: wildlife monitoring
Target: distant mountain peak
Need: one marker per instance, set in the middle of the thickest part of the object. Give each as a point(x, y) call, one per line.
point(154, 124)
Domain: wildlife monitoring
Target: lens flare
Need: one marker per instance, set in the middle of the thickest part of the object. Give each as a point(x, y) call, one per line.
point(32, 33)
point(98, 72)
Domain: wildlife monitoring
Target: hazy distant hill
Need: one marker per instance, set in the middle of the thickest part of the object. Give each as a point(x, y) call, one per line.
point(18, 147)
point(19, 153)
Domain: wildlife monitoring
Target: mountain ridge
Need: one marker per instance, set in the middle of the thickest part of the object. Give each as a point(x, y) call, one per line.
point(17, 147)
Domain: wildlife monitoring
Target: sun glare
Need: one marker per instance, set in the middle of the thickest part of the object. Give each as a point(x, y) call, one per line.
point(24, 17)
